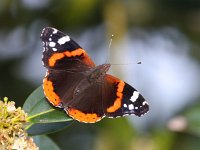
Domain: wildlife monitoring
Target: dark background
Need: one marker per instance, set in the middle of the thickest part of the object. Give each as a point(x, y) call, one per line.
point(162, 34)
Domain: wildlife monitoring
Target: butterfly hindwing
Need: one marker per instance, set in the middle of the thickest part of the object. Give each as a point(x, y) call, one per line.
point(86, 106)
point(80, 99)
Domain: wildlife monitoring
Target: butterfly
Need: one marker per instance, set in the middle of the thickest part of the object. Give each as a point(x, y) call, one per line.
point(85, 91)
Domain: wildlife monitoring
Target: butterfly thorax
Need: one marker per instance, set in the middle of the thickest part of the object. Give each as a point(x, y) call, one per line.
point(95, 75)
point(98, 73)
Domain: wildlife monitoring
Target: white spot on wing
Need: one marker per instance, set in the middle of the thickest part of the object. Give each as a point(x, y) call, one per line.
point(47, 73)
point(63, 40)
point(54, 49)
point(55, 31)
point(134, 96)
point(130, 107)
point(126, 114)
point(144, 103)
point(125, 105)
point(52, 44)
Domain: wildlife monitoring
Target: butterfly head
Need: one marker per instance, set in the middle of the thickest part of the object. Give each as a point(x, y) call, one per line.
point(99, 72)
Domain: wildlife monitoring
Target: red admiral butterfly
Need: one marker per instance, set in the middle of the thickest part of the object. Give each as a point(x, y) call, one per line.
point(83, 90)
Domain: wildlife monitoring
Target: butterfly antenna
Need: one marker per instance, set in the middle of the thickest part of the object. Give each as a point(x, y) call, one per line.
point(111, 38)
point(109, 48)
point(138, 63)
point(108, 55)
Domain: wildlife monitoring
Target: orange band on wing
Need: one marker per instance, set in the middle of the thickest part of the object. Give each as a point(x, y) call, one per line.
point(77, 52)
point(49, 92)
point(54, 58)
point(82, 117)
point(118, 101)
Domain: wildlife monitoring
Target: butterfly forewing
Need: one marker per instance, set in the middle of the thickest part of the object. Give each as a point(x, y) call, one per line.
point(63, 53)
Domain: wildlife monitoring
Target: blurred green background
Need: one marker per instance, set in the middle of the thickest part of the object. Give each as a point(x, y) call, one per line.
point(162, 34)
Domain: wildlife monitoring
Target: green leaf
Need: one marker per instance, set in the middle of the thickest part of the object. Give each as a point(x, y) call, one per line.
point(42, 113)
point(44, 143)
point(44, 128)
point(193, 119)
point(33, 98)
